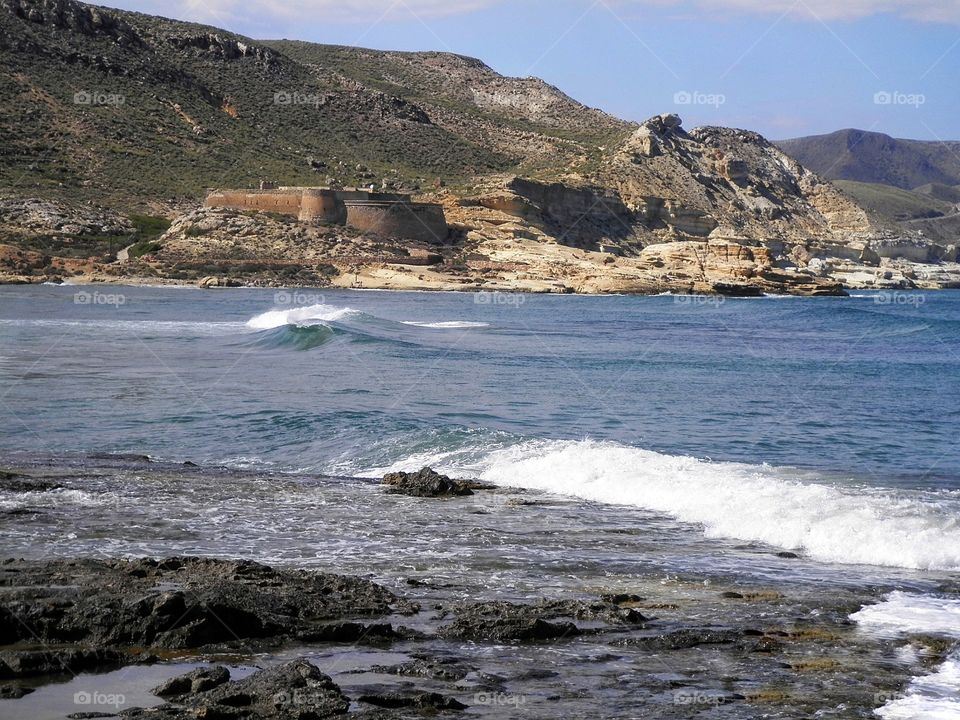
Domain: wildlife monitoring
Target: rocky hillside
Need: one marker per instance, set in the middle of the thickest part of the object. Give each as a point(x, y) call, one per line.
point(121, 121)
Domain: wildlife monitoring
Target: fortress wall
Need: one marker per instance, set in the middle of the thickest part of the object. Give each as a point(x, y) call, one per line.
point(422, 222)
point(319, 205)
point(287, 203)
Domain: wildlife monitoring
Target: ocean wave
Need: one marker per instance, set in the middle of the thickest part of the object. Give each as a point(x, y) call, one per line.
point(936, 695)
point(308, 315)
point(755, 503)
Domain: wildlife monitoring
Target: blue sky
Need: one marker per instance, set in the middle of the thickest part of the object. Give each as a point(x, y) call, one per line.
point(782, 67)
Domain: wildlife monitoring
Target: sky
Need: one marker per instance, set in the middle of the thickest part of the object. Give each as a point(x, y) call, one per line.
point(784, 68)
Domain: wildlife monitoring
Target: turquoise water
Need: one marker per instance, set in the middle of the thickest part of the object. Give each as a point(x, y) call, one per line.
point(822, 425)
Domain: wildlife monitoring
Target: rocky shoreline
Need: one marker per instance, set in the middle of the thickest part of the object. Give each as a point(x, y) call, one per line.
point(229, 638)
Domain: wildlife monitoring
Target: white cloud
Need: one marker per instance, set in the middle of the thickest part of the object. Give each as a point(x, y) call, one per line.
point(944, 11)
point(269, 13)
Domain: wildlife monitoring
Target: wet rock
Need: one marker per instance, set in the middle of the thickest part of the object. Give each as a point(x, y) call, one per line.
point(295, 690)
point(683, 639)
point(13, 692)
point(504, 621)
point(788, 554)
point(30, 663)
point(426, 482)
point(424, 666)
point(15, 482)
point(353, 632)
point(418, 700)
point(199, 680)
point(179, 602)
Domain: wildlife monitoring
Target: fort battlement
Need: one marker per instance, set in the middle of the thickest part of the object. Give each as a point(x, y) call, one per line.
point(387, 214)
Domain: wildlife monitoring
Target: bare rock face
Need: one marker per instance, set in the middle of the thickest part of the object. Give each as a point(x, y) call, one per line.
point(67, 14)
point(53, 216)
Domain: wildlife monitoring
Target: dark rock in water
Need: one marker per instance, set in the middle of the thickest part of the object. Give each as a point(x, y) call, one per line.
point(788, 554)
point(14, 482)
point(425, 666)
point(296, 689)
point(179, 602)
point(90, 715)
point(426, 482)
point(29, 663)
point(499, 621)
point(352, 632)
point(199, 680)
point(419, 700)
point(13, 692)
point(732, 595)
point(683, 639)
point(622, 598)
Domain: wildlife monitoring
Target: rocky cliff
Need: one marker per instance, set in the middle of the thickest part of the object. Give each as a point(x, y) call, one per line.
point(121, 119)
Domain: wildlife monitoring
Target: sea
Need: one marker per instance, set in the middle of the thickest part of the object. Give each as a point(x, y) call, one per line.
point(808, 442)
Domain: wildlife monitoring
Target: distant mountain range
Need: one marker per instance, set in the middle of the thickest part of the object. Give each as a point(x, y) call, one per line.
point(912, 182)
point(870, 157)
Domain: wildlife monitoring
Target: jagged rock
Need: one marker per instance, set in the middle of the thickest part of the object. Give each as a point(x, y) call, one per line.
point(297, 689)
point(417, 700)
point(426, 482)
point(131, 604)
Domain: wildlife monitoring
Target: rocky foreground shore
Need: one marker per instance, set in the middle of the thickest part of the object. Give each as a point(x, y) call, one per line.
point(238, 639)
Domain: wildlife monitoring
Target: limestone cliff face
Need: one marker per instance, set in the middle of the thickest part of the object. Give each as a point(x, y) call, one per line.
point(726, 183)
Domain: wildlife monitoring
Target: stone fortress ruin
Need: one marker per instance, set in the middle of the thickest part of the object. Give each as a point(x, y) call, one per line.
point(387, 214)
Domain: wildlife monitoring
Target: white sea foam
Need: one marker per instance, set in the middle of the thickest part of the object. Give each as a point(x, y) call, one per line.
point(744, 502)
point(904, 612)
point(449, 324)
point(929, 697)
point(310, 314)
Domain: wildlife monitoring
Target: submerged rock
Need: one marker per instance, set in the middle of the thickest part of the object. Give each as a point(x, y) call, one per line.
point(684, 638)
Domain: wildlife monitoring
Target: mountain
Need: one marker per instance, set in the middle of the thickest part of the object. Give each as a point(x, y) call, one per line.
point(870, 157)
point(119, 122)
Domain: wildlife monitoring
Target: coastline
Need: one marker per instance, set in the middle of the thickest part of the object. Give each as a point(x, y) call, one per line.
point(444, 637)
